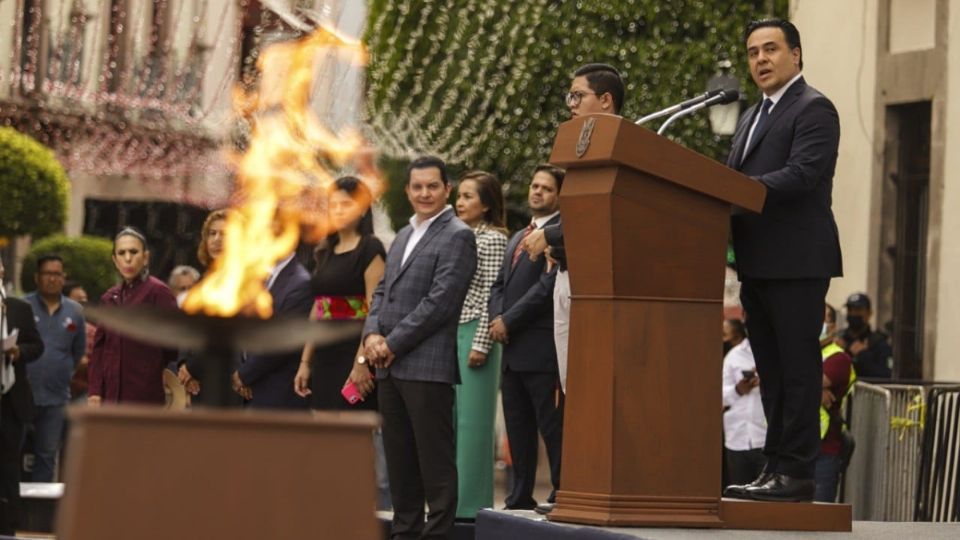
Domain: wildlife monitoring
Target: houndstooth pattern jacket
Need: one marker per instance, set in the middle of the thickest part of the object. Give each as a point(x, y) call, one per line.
point(491, 246)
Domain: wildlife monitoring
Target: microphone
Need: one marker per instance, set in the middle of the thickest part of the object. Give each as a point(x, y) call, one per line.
point(679, 106)
point(722, 97)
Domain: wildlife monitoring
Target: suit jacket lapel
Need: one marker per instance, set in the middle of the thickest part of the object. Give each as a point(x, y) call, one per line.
point(511, 247)
point(740, 141)
point(393, 264)
point(786, 101)
point(279, 286)
point(432, 231)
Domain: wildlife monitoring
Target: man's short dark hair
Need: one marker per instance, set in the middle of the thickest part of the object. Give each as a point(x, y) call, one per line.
point(604, 79)
point(556, 172)
point(44, 259)
point(426, 162)
point(790, 33)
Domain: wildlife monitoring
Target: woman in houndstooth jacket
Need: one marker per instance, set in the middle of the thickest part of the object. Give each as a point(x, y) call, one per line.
point(479, 205)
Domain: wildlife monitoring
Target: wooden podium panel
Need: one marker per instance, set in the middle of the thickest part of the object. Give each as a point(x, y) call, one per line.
point(786, 516)
point(646, 224)
point(149, 474)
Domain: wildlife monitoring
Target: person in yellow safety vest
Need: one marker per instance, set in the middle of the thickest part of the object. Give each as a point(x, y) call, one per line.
point(838, 377)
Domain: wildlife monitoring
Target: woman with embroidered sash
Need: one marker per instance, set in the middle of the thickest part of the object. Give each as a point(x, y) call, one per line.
point(349, 266)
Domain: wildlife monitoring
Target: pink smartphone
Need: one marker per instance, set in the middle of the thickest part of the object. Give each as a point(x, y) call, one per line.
point(351, 394)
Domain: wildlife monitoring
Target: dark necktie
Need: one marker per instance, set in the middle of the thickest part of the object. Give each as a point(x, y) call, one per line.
point(519, 250)
point(764, 113)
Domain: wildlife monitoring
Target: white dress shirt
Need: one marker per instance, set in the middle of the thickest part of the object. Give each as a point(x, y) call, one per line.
point(744, 426)
point(419, 229)
point(541, 221)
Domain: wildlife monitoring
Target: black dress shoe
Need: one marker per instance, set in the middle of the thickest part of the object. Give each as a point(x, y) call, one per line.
point(544, 509)
point(739, 491)
point(783, 488)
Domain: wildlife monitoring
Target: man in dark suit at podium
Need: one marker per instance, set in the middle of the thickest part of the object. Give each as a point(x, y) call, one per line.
point(521, 317)
point(787, 254)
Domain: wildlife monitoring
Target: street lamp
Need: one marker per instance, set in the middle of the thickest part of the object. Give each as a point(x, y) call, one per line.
point(723, 118)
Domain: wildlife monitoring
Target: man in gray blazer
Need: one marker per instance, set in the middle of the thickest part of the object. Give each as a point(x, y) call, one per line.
point(410, 336)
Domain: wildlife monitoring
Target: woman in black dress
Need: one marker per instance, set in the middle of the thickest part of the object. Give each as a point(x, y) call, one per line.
point(349, 267)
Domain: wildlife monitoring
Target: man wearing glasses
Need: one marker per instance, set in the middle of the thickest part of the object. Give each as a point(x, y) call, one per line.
point(62, 328)
point(596, 89)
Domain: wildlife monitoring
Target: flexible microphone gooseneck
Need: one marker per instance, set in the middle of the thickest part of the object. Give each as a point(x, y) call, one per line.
point(721, 98)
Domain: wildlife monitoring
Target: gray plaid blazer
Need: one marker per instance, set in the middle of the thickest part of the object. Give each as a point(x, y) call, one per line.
point(417, 306)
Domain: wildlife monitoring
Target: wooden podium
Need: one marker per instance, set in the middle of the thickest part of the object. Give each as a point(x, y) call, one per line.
point(149, 474)
point(646, 226)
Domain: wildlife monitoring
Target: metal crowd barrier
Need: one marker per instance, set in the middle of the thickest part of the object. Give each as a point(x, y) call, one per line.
point(887, 424)
point(938, 485)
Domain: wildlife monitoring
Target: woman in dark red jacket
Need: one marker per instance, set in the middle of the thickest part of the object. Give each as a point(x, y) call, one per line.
point(123, 370)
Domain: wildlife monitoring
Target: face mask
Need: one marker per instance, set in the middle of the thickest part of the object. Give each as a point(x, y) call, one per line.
point(856, 322)
point(726, 347)
point(824, 333)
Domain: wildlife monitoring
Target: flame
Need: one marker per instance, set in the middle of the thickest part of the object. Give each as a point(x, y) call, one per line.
point(282, 177)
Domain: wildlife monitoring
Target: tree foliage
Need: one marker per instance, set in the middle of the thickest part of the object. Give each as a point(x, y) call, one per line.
point(33, 187)
point(481, 82)
point(86, 260)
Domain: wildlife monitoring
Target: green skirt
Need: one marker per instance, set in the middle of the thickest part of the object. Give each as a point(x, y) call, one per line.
point(475, 411)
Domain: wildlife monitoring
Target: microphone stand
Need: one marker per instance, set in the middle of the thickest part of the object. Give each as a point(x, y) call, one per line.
point(724, 96)
point(678, 107)
point(679, 115)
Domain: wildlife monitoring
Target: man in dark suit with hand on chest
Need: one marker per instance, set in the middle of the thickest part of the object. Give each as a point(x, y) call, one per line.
point(786, 254)
point(521, 315)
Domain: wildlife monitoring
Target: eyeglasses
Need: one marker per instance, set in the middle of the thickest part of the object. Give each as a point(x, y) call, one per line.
point(52, 274)
point(574, 98)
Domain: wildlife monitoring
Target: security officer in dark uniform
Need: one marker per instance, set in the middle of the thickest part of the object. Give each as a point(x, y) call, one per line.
point(870, 350)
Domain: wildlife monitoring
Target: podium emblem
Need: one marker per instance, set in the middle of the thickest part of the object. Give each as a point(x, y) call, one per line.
point(585, 133)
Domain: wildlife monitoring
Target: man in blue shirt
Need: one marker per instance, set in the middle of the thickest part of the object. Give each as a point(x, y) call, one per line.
point(61, 325)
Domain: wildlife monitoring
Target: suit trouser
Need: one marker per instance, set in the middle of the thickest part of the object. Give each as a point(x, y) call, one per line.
point(11, 439)
point(743, 466)
point(784, 319)
point(531, 402)
point(418, 438)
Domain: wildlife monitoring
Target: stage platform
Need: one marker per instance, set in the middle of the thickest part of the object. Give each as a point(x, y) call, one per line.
point(510, 524)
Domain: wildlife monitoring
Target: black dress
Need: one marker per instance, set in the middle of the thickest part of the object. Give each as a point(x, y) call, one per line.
point(340, 291)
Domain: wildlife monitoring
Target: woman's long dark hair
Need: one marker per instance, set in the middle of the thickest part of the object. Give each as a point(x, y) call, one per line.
point(359, 192)
point(491, 195)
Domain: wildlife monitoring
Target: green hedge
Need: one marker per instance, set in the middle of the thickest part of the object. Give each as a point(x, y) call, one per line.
point(481, 82)
point(86, 260)
point(33, 187)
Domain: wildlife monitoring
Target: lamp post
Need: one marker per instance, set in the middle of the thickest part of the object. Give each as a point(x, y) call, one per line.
point(723, 118)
